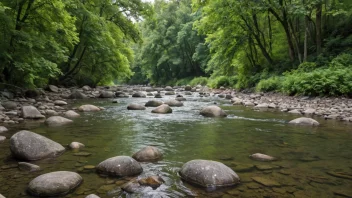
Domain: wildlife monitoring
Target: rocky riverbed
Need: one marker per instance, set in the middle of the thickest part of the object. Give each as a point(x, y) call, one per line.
point(53, 101)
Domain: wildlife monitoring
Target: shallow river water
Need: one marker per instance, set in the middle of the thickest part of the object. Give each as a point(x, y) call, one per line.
point(308, 156)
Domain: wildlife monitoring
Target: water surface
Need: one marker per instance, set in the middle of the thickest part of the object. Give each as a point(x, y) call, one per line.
point(306, 154)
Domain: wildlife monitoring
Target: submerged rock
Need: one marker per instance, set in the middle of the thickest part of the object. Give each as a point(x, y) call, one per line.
point(132, 187)
point(27, 145)
point(152, 181)
point(209, 174)
point(57, 121)
point(88, 108)
point(134, 106)
point(76, 145)
point(148, 154)
point(266, 182)
point(174, 103)
point(30, 112)
point(120, 166)
point(162, 109)
point(54, 184)
point(212, 111)
point(28, 167)
point(262, 157)
point(153, 103)
point(304, 121)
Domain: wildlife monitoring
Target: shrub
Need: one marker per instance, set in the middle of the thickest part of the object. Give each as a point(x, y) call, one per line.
point(226, 81)
point(199, 81)
point(269, 84)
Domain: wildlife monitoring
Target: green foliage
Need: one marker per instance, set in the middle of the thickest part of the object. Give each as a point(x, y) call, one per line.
point(225, 81)
point(199, 81)
point(269, 84)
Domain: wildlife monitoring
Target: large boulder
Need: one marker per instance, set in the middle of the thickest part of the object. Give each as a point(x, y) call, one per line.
point(212, 111)
point(107, 94)
point(71, 114)
point(162, 109)
point(168, 88)
point(174, 103)
point(153, 103)
point(88, 108)
point(208, 174)
point(77, 95)
point(9, 105)
point(57, 121)
point(30, 112)
point(188, 88)
point(121, 95)
point(304, 121)
point(54, 184)
point(148, 154)
point(139, 95)
point(134, 106)
point(27, 145)
point(120, 166)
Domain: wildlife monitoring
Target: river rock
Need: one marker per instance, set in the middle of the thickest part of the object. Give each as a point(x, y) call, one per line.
point(86, 88)
point(3, 129)
point(168, 88)
point(107, 94)
point(32, 93)
point(27, 145)
point(77, 95)
point(2, 139)
point(92, 196)
point(121, 95)
point(71, 114)
point(266, 182)
point(134, 106)
point(139, 95)
point(174, 103)
point(157, 95)
point(54, 184)
point(209, 174)
point(153, 103)
point(162, 109)
point(169, 93)
point(295, 111)
point(60, 102)
point(120, 166)
point(50, 112)
point(309, 111)
point(24, 166)
point(148, 154)
point(88, 108)
point(304, 121)
point(262, 157)
point(188, 88)
point(9, 105)
point(57, 121)
point(152, 181)
point(76, 145)
point(53, 88)
point(262, 105)
point(1, 196)
point(212, 111)
point(180, 98)
point(132, 187)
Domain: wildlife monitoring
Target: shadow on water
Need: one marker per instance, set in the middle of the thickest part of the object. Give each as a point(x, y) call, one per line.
point(306, 154)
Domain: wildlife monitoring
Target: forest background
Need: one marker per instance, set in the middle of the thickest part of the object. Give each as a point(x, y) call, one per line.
point(289, 46)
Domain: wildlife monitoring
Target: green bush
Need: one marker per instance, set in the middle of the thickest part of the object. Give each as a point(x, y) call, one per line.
point(322, 81)
point(226, 81)
point(183, 81)
point(199, 81)
point(270, 84)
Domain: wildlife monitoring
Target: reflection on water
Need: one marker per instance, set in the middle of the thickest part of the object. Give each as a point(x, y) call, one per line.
point(305, 154)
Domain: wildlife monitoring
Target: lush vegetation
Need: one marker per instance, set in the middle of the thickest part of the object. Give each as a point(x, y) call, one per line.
point(289, 46)
point(67, 42)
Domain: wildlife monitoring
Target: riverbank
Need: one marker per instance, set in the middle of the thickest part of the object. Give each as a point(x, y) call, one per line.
point(54, 100)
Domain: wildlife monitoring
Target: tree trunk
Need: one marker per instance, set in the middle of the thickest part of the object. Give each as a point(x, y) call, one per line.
point(318, 27)
point(305, 53)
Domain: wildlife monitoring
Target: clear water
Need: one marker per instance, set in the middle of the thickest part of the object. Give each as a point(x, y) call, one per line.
point(305, 154)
